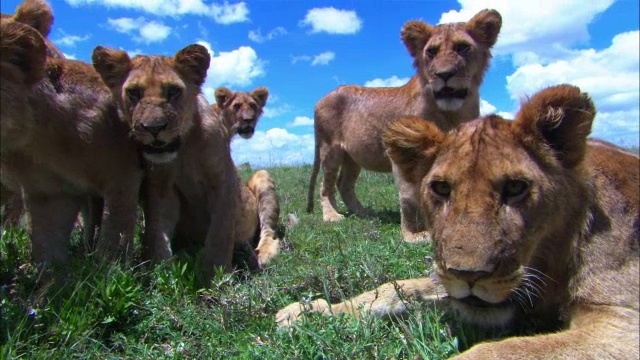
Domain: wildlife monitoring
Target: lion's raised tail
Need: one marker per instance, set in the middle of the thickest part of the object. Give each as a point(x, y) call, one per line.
point(314, 177)
point(262, 185)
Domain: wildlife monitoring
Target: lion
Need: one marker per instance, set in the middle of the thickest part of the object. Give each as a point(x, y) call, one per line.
point(191, 185)
point(240, 110)
point(37, 14)
point(528, 228)
point(62, 141)
point(450, 60)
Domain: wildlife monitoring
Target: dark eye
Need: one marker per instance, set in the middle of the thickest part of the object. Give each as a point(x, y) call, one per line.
point(173, 92)
point(462, 48)
point(254, 106)
point(432, 51)
point(441, 188)
point(515, 190)
point(134, 94)
point(236, 106)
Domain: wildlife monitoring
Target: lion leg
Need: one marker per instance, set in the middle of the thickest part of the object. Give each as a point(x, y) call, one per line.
point(219, 242)
point(412, 224)
point(91, 216)
point(262, 185)
point(161, 207)
point(52, 222)
point(13, 206)
point(332, 160)
point(596, 332)
point(349, 173)
point(118, 223)
point(387, 301)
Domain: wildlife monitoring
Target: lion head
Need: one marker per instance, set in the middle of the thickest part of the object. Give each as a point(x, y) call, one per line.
point(503, 198)
point(22, 64)
point(157, 94)
point(37, 14)
point(241, 110)
point(451, 59)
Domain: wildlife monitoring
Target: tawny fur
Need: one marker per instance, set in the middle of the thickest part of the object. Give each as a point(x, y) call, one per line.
point(532, 224)
point(191, 187)
point(240, 110)
point(62, 141)
point(450, 62)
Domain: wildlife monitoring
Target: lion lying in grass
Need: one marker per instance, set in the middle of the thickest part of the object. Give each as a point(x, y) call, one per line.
point(529, 228)
point(450, 62)
point(63, 142)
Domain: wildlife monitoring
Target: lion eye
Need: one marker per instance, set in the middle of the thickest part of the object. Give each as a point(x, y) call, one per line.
point(441, 188)
point(515, 190)
point(133, 94)
point(432, 51)
point(173, 92)
point(236, 106)
point(462, 48)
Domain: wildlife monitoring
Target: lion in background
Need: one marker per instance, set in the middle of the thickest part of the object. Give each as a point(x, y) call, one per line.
point(529, 228)
point(450, 61)
point(240, 110)
point(79, 149)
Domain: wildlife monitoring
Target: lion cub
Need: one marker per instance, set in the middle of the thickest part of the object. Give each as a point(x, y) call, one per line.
point(240, 110)
point(62, 141)
point(529, 228)
point(450, 62)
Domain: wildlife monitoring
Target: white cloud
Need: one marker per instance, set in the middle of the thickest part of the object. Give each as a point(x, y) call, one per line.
point(323, 58)
point(224, 13)
point(69, 56)
point(332, 21)
point(68, 40)
point(393, 81)
point(301, 121)
point(238, 67)
point(611, 76)
point(274, 147)
point(537, 31)
point(486, 108)
point(256, 35)
point(275, 111)
point(147, 31)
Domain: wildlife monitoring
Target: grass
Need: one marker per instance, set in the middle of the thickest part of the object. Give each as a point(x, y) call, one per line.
point(102, 310)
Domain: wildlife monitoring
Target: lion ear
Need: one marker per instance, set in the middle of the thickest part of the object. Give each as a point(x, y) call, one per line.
point(193, 62)
point(23, 47)
point(112, 65)
point(412, 143)
point(415, 35)
point(260, 95)
point(223, 95)
point(35, 13)
point(485, 26)
point(560, 117)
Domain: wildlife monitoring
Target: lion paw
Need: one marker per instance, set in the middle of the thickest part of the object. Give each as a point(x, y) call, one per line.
point(418, 237)
point(332, 217)
point(267, 249)
point(286, 316)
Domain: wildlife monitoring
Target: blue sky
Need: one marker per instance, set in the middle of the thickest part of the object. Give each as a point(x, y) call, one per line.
point(301, 50)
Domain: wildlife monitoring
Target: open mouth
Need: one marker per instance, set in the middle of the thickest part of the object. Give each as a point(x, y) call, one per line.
point(475, 301)
point(245, 131)
point(160, 147)
point(450, 93)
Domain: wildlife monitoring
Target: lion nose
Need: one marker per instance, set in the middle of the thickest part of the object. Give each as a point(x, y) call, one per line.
point(445, 75)
point(155, 128)
point(469, 276)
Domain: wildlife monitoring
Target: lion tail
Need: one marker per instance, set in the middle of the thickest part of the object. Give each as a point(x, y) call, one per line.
point(262, 185)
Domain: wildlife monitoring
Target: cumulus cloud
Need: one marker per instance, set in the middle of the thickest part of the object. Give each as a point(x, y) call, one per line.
point(393, 81)
point(323, 58)
point(274, 147)
point(534, 32)
point(486, 108)
point(68, 40)
point(256, 35)
point(275, 111)
point(146, 31)
point(332, 21)
point(238, 67)
point(295, 59)
point(301, 121)
point(224, 13)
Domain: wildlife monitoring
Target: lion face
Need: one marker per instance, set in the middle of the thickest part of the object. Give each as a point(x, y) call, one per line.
point(491, 190)
point(157, 95)
point(451, 58)
point(241, 110)
point(21, 66)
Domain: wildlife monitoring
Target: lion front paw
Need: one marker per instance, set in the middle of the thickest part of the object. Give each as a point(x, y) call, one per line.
point(267, 249)
point(286, 316)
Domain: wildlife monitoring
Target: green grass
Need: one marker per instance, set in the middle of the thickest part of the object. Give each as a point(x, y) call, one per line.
point(104, 311)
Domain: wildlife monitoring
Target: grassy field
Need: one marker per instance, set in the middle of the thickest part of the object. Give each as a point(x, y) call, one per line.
point(107, 311)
